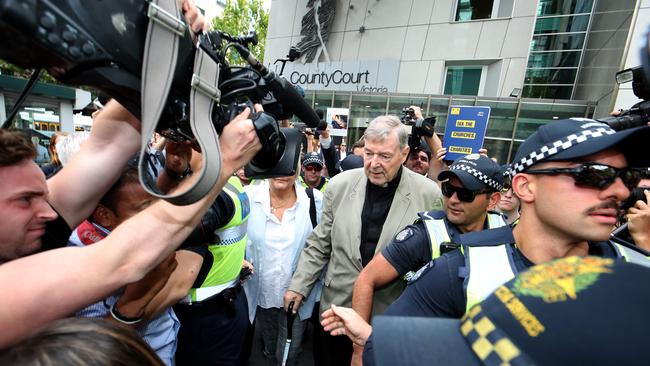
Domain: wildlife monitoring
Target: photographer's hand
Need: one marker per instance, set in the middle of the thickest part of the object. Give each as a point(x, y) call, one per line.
point(417, 111)
point(239, 142)
point(638, 222)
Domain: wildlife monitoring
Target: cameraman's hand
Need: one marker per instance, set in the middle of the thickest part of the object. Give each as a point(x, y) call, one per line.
point(239, 142)
point(638, 222)
point(193, 17)
point(417, 111)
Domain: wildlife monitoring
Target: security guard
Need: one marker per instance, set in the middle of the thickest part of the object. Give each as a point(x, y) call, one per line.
point(471, 188)
point(312, 164)
point(570, 177)
point(214, 315)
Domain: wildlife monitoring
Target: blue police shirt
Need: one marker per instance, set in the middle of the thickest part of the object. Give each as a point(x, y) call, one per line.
point(410, 249)
point(438, 290)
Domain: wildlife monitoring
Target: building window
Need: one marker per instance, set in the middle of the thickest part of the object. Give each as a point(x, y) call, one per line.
point(463, 80)
point(562, 24)
point(558, 7)
point(482, 9)
point(554, 59)
point(474, 9)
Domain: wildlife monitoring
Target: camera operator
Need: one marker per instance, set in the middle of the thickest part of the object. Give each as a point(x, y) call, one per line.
point(419, 159)
point(29, 202)
point(638, 215)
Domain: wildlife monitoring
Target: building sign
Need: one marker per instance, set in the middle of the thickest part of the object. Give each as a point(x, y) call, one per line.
point(379, 76)
point(465, 130)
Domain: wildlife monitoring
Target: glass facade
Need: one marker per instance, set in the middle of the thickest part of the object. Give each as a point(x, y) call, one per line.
point(556, 48)
point(511, 119)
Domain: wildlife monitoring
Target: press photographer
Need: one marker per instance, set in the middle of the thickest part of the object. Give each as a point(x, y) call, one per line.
point(422, 142)
point(634, 218)
point(638, 114)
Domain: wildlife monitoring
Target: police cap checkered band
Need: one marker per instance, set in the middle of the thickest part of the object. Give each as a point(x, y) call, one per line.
point(490, 344)
point(546, 151)
point(478, 175)
point(312, 158)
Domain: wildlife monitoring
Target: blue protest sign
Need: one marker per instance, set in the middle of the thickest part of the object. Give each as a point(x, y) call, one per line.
point(465, 130)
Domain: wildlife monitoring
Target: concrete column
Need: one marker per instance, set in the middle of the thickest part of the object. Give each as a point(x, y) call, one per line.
point(66, 117)
point(3, 108)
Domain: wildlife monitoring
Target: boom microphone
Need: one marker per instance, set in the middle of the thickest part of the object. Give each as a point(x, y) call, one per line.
point(283, 91)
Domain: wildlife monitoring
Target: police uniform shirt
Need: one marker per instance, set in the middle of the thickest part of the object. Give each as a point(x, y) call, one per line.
point(437, 290)
point(410, 249)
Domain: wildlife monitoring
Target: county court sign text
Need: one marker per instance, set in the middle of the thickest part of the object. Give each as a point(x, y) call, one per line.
point(378, 76)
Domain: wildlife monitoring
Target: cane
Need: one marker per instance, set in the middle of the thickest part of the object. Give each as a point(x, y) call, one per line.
point(287, 344)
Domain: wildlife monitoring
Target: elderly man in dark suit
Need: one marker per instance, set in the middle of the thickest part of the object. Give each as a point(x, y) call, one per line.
point(363, 210)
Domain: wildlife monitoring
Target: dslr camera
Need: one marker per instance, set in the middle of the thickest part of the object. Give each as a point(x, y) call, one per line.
point(639, 114)
point(419, 127)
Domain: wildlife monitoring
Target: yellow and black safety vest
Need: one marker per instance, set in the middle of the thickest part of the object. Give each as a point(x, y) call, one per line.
point(321, 186)
point(439, 234)
point(228, 250)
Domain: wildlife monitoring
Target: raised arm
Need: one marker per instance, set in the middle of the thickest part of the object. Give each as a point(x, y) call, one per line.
point(76, 190)
point(56, 283)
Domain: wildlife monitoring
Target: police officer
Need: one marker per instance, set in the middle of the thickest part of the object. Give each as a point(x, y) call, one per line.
point(471, 188)
point(509, 203)
point(214, 315)
point(312, 164)
point(570, 177)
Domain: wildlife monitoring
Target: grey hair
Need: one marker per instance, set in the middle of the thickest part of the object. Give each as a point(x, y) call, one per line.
point(68, 146)
point(382, 126)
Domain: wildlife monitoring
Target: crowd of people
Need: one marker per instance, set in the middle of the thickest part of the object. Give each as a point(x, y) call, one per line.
point(344, 251)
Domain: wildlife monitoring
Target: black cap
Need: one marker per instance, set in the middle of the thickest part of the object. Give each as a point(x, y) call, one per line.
point(351, 162)
point(577, 137)
point(475, 172)
point(573, 311)
point(312, 158)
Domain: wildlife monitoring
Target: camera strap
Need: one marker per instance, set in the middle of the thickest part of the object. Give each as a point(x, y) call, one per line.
point(164, 34)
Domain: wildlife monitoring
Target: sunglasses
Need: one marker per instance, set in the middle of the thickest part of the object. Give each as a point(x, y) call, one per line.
point(310, 168)
point(463, 194)
point(599, 176)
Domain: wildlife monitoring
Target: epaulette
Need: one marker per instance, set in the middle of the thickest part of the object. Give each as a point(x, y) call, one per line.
point(490, 237)
point(432, 215)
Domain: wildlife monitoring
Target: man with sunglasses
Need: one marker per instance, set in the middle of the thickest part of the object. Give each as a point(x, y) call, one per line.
point(570, 177)
point(312, 164)
point(508, 205)
point(471, 189)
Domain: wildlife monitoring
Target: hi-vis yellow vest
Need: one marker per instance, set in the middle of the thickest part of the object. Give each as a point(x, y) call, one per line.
point(438, 234)
point(228, 250)
point(490, 266)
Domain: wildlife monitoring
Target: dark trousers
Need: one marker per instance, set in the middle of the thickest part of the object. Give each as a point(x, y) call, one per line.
point(213, 332)
point(332, 350)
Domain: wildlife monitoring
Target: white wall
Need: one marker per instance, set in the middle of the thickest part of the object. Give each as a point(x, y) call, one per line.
point(420, 34)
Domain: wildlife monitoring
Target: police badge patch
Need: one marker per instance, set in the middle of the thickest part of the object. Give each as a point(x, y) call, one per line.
point(403, 235)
